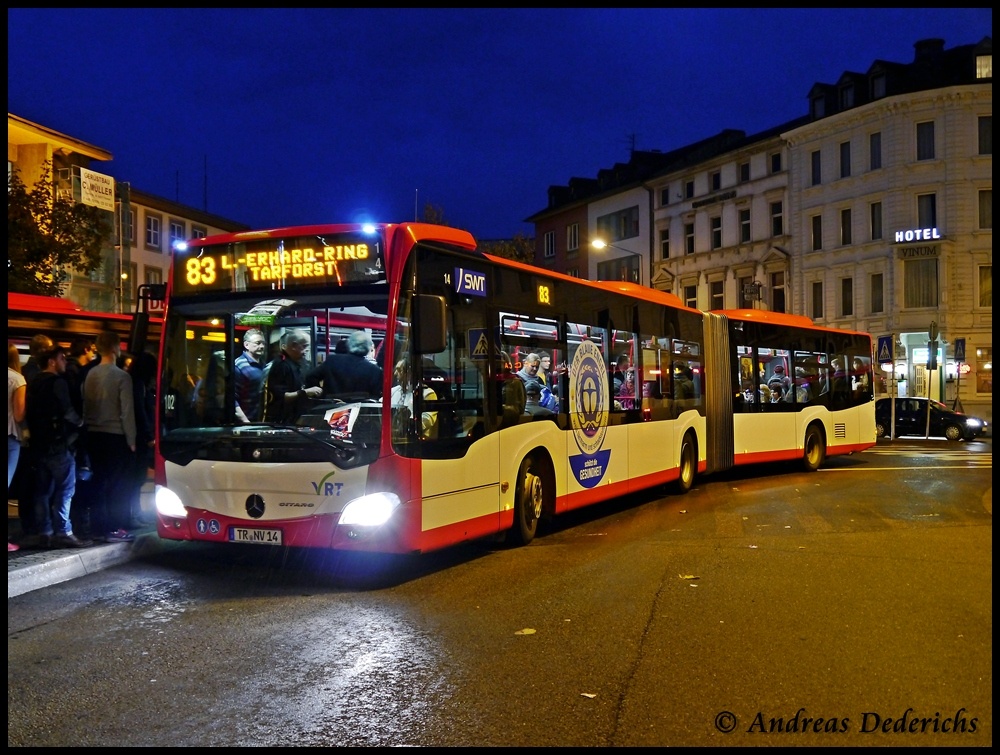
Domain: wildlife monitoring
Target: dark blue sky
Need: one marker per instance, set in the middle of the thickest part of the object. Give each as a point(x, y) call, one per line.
point(308, 116)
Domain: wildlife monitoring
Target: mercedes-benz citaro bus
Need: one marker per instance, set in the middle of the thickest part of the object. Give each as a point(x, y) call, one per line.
point(324, 462)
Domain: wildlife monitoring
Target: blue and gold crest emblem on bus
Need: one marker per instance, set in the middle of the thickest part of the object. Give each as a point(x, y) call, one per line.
point(588, 412)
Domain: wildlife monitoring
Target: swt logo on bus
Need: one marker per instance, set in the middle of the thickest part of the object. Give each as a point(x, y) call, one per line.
point(470, 282)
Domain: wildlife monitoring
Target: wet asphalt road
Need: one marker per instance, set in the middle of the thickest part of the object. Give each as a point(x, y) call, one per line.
point(858, 597)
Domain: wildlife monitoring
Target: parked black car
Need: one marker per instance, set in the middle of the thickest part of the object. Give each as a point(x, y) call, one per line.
point(911, 419)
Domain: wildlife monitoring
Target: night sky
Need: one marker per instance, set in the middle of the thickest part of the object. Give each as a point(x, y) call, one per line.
point(314, 116)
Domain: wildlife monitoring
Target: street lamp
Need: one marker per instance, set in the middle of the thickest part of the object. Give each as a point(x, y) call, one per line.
point(602, 244)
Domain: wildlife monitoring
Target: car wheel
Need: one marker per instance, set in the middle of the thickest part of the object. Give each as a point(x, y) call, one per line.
point(953, 432)
point(879, 430)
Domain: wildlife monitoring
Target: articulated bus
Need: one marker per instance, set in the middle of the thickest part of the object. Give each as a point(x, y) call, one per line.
point(466, 460)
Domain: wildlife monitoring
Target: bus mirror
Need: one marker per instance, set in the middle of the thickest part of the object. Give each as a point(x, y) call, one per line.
point(429, 324)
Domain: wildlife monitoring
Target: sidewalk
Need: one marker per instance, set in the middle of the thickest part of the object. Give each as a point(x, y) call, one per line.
point(32, 569)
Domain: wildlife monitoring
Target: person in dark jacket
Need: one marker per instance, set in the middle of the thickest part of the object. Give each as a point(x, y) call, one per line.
point(53, 425)
point(349, 376)
point(285, 391)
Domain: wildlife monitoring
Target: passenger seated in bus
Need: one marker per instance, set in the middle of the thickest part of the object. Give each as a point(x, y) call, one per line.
point(683, 382)
point(533, 404)
point(779, 382)
point(401, 400)
point(626, 394)
point(351, 376)
point(860, 377)
point(618, 373)
point(802, 392)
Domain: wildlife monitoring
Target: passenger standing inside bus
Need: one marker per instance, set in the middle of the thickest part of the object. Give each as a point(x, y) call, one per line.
point(284, 387)
point(351, 375)
point(16, 388)
point(109, 411)
point(249, 375)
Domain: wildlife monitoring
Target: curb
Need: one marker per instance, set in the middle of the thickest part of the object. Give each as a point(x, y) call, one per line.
point(48, 568)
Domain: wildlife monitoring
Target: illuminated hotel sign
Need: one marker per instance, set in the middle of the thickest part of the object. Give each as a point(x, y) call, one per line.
point(916, 251)
point(918, 234)
point(280, 263)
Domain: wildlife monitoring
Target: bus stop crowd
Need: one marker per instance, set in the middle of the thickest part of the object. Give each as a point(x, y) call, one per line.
point(79, 440)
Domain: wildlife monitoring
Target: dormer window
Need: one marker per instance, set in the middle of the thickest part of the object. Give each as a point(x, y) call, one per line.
point(984, 66)
point(818, 107)
point(847, 97)
point(878, 86)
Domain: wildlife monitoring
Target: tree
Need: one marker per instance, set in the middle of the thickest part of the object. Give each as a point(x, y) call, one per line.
point(47, 235)
point(520, 248)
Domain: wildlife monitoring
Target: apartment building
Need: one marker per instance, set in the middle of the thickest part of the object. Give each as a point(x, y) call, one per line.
point(872, 212)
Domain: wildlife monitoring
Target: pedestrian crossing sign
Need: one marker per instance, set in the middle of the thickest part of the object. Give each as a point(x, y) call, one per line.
point(884, 353)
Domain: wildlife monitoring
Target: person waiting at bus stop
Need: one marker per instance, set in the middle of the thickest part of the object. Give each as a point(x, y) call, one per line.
point(54, 427)
point(109, 412)
point(285, 388)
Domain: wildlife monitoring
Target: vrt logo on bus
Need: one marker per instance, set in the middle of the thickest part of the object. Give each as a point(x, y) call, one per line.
point(588, 411)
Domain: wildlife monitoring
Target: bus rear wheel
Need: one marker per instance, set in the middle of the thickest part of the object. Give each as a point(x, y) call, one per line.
point(529, 497)
point(687, 466)
point(814, 449)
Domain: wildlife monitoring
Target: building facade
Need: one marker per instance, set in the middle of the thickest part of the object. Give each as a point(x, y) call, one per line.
point(872, 212)
point(145, 225)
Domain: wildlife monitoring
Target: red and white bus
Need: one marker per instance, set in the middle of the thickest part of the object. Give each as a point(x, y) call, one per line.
point(467, 460)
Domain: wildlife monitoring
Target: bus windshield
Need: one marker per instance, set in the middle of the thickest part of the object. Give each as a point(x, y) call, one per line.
point(254, 317)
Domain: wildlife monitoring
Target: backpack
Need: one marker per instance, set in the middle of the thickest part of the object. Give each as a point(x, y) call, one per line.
point(48, 430)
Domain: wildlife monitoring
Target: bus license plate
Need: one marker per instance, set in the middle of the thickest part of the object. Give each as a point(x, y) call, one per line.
point(252, 535)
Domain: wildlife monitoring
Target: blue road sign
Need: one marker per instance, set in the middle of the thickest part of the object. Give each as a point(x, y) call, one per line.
point(960, 350)
point(884, 351)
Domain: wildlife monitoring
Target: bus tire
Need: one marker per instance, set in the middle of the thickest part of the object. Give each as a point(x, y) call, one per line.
point(529, 499)
point(814, 448)
point(687, 465)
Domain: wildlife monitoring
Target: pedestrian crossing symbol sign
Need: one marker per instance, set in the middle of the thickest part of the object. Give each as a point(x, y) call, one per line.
point(884, 353)
point(480, 346)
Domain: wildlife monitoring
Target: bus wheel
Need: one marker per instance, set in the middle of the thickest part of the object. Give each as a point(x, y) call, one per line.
point(688, 465)
point(529, 496)
point(814, 451)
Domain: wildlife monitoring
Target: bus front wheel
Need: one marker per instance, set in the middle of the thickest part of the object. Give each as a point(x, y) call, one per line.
point(528, 500)
point(814, 448)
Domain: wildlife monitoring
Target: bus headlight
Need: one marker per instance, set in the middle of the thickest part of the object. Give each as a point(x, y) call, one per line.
point(370, 510)
point(168, 503)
